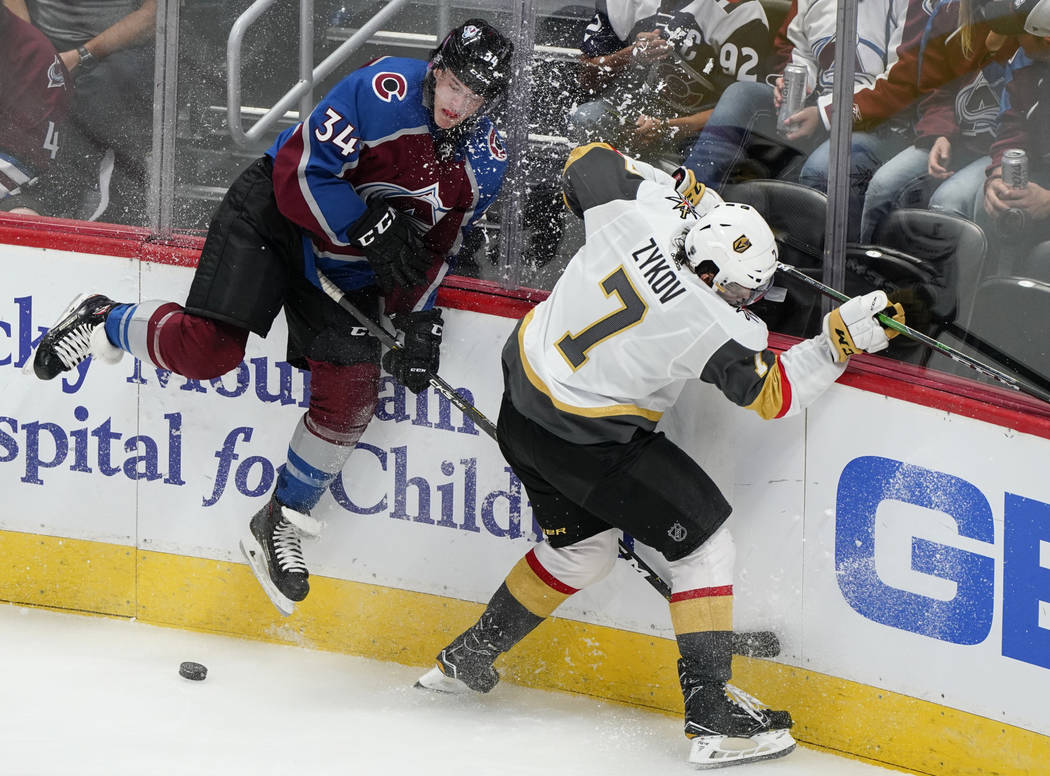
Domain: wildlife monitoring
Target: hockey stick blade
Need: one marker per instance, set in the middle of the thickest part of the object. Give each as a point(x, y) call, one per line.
point(756, 644)
point(956, 355)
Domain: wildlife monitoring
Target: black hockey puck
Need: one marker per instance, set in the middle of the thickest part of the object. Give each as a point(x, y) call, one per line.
point(194, 671)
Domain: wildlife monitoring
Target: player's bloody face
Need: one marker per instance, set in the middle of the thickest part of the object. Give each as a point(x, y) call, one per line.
point(453, 102)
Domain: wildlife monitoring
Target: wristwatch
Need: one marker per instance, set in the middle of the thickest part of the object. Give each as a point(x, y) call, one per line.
point(87, 60)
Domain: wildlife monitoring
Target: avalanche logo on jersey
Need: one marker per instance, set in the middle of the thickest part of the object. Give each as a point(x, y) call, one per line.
point(388, 86)
point(496, 147)
point(423, 206)
point(55, 77)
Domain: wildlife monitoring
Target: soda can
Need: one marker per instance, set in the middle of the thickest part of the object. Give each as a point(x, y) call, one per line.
point(794, 94)
point(1015, 168)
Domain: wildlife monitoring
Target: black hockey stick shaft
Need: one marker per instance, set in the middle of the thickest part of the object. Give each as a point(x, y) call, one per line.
point(918, 336)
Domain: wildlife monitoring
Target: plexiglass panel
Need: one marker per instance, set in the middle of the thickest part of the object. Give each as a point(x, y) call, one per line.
point(934, 191)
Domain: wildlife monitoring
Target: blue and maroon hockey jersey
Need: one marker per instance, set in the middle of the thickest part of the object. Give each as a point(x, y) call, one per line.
point(34, 101)
point(372, 136)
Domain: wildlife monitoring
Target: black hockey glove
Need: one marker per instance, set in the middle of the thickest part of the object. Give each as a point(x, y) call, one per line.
point(414, 362)
point(392, 247)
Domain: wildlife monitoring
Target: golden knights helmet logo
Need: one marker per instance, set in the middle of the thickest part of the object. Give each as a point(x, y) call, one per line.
point(741, 244)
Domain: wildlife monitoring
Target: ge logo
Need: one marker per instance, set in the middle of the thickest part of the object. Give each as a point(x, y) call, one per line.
point(677, 532)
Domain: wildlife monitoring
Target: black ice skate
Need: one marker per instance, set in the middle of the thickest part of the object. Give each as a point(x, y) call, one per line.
point(272, 548)
point(465, 665)
point(728, 726)
point(74, 337)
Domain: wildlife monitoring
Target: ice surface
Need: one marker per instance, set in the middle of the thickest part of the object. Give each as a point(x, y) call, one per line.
point(89, 695)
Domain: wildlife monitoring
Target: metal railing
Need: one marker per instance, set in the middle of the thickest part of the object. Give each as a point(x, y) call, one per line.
point(301, 92)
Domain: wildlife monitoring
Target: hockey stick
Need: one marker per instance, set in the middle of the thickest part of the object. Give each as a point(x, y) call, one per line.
point(446, 390)
point(390, 342)
point(748, 644)
point(918, 336)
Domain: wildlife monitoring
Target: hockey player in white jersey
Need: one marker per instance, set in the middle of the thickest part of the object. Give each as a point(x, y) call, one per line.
point(655, 297)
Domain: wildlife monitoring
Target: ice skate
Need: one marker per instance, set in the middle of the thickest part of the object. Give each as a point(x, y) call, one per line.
point(729, 727)
point(465, 665)
point(273, 550)
point(78, 334)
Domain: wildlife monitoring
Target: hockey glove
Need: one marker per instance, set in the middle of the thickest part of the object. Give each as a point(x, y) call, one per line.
point(693, 191)
point(396, 253)
point(414, 362)
point(852, 327)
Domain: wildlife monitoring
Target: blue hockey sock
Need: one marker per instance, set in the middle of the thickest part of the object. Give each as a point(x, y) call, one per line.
point(313, 463)
point(113, 322)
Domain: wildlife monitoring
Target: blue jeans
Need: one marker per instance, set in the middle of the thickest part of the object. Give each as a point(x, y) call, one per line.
point(959, 195)
point(867, 152)
point(955, 196)
point(745, 108)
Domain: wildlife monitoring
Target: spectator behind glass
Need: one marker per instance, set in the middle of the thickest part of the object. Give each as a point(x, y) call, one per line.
point(1021, 217)
point(957, 123)
point(658, 91)
point(107, 46)
point(747, 110)
point(34, 101)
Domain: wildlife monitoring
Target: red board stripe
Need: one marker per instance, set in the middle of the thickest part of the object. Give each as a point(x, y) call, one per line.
point(908, 382)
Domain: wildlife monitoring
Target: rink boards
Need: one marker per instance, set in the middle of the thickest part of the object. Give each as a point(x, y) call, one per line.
point(901, 550)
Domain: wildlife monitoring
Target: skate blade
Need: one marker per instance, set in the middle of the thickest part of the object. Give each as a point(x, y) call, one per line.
point(723, 751)
point(435, 680)
point(254, 555)
point(27, 367)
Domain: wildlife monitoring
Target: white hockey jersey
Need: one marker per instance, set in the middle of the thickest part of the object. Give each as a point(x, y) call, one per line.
point(625, 326)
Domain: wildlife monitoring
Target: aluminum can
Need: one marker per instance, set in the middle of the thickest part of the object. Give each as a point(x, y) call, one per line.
point(1015, 168)
point(794, 94)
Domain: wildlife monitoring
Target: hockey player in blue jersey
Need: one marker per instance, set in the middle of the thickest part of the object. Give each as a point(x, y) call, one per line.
point(372, 193)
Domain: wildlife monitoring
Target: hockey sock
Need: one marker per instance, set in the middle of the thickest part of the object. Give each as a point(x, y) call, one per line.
point(315, 457)
point(128, 326)
point(113, 323)
point(342, 400)
point(165, 335)
point(539, 591)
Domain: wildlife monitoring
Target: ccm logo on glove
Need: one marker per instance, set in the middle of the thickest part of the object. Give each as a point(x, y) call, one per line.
point(381, 226)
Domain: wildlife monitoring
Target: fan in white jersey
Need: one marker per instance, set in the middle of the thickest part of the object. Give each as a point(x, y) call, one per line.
point(655, 297)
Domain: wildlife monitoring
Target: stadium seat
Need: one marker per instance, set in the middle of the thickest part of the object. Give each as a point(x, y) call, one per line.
point(933, 261)
point(1012, 315)
point(1035, 264)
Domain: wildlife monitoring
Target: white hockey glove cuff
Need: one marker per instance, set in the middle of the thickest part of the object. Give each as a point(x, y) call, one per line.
point(694, 192)
point(852, 327)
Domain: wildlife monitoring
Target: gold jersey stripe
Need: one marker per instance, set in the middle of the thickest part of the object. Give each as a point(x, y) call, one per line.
point(769, 403)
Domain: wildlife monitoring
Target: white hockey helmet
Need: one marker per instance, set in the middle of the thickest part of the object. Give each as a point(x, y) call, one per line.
point(741, 245)
point(1038, 20)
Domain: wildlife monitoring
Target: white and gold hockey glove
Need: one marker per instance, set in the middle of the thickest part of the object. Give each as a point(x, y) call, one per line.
point(852, 327)
point(694, 192)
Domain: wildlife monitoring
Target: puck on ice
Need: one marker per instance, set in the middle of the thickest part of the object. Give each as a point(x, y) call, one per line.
point(194, 671)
